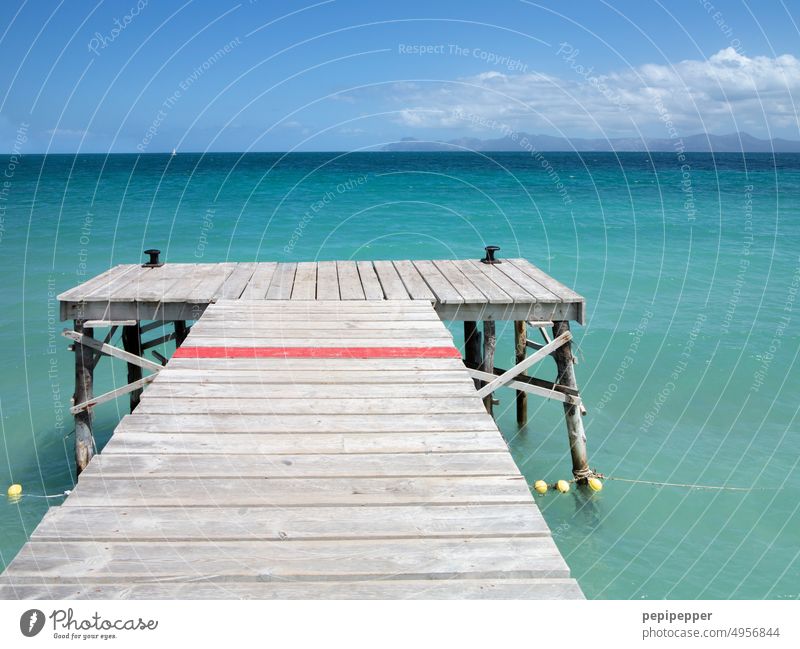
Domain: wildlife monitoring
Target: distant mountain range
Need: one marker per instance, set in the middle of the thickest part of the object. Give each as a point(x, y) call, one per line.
point(704, 143)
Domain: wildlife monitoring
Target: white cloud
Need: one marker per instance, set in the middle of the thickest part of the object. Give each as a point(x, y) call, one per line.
point(727, 92)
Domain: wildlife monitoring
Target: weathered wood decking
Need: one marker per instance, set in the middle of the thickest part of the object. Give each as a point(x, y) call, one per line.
point(458, 289)
point(300, 449)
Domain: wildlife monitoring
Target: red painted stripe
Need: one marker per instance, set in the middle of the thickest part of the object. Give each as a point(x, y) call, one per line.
point(316, 352)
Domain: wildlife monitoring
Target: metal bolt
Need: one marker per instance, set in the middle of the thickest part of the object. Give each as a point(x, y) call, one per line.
point(489, 258)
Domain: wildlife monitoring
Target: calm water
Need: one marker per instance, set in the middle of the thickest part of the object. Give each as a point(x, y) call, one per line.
point(687, 363)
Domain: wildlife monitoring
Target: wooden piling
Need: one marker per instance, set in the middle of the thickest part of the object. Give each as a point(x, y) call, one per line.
point(132, 342)
point(472, 348)
point(84, 380)
point(520, 338)
point(181, 331)
point(566, 377)
point(489, 344)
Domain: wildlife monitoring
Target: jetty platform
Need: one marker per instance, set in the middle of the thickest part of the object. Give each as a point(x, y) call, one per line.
point(316, 434)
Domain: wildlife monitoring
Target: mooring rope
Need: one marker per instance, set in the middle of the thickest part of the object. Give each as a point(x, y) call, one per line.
point(61, 495)
point(594, 479)
point(686, 485)
point(16, 496)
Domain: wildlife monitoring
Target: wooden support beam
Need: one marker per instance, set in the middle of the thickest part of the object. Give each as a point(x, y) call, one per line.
point(542, 383)
point(181, 331)
point(113, 394)
point(537, 356)
point(566, 376)
point(157, 341)
point(132, 342)
point(156, 324)
point(93, 324)
point(472, 347)
point(109, 350)
point(520, 339)
point(84, 379)
point(489, 344)
point(526, 384)
point(97, 356)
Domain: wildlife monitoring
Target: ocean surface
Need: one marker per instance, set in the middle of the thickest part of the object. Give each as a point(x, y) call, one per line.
point(688, 361)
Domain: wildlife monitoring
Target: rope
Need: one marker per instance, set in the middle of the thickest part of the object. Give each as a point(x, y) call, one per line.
point(27, 495)
point(590, 473)
point(690, 486)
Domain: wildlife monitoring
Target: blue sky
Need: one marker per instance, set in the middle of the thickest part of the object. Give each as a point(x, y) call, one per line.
point(147, 76)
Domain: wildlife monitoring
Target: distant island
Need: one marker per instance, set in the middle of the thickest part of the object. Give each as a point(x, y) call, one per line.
point(701, 143)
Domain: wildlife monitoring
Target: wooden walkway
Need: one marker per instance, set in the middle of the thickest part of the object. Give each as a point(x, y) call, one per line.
point(301, 449)
point(458, 289)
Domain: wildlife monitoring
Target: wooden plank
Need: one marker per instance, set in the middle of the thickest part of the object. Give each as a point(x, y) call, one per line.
point(206, 327)
point(442, 289)
point(526, 282)
point(305, 281)
point(79, 292)
point(339, 465)
point(415, 285)
point(391, 283)
point(145, 561)
point(323, 307)
point(469, 293)
point(349, 281)
point(237, 281)
point(429, 589)
point(364, 340)
point(517, 311)
point(256, 288)
point(369, 281)
point(564, 293)
point(493, 273)
point(327, 281)
point(112, 394)
point(395, 407)
point(308, 377)
point(246, 317)
point(209, 284)
point(285, 492)
point(464, 388)
point(124, 441)
point(333, 305)
point(222, 423)
point(169, 283)
point(317, 364)
point(289, 524)
point(280, 287)
point(531, 388)
point(481, 281)
point(101, 324)
point(112, 284)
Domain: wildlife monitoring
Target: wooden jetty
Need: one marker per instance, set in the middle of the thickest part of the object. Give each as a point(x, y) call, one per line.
point(315, 435)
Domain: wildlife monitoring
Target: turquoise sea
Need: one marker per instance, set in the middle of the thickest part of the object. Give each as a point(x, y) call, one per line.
point(688, 361)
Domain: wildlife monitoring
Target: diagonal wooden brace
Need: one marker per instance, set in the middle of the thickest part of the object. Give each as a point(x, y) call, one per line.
point(113, 394)
point(530, 388)
point(537, 356)
point(110, 350)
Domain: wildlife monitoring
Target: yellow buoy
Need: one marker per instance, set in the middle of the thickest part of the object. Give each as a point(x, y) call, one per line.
point(15, 490)
point(595, 484)
point(562, 486)
point(540, 486)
